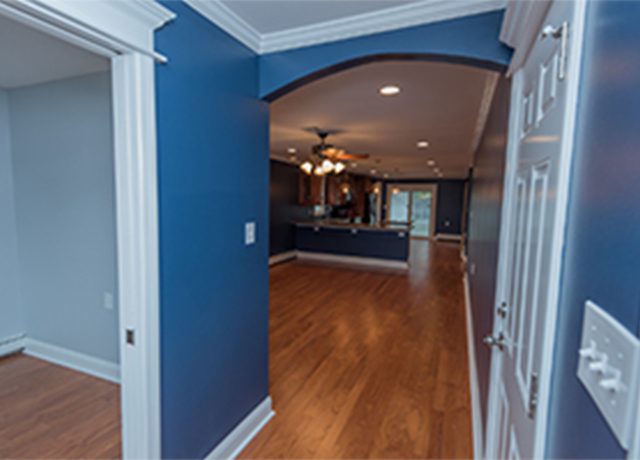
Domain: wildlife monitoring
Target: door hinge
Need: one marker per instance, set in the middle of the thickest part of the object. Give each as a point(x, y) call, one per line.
point(503, 309)
point(130, 336)
point(561, 33)
point(533, 396)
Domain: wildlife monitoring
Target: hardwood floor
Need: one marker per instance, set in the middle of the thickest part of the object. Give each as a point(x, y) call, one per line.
point(48, 411)
point(369, 364)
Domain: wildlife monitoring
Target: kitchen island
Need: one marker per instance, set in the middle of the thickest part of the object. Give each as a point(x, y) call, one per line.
point(381, 245)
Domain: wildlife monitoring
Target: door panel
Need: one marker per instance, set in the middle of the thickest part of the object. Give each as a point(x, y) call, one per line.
point(529, 271)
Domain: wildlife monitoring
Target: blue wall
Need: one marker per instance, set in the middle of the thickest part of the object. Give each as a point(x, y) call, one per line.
point(483, 233)
point(473, 39)
point(450, 201)
point(284, 209)
point(213, 177)
point(602, 259)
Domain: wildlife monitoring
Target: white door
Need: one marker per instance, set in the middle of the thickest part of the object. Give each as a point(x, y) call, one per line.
point(544, 94)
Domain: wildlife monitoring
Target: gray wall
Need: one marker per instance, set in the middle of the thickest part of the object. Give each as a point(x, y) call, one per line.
point(61, 138)
point(484, 228)
point(11, 323)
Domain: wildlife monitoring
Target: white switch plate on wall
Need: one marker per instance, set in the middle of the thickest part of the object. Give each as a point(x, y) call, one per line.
point(608, 368)
point(249, 233)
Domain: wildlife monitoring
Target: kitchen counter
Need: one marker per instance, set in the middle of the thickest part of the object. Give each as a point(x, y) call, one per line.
point(360, 226)
point(374, 245)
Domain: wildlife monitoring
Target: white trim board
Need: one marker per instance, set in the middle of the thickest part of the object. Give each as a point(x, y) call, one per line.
point(282, 257)
point(476, 411)
point(448, 237)
point(231, 446)
point(73, 360)
point(12, 344)
point(353, 260)
point(398, 17)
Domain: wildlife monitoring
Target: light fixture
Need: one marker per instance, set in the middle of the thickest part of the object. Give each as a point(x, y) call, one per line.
point(385, 175)
point(327, 166)
point(422, 144)
point(307, 167)
point(338, 167)
point(395, 190)
point(291, 150)
point(373, 171)
point(431, 162)
point(389, 90)
point(345, 189)
point(318, 171)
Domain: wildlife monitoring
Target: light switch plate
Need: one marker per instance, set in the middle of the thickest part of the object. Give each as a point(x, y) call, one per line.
point(608, 367)
point(249, 233)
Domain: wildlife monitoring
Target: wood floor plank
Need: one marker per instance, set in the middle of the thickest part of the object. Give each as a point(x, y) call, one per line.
point(48, 411)
point(368, 364)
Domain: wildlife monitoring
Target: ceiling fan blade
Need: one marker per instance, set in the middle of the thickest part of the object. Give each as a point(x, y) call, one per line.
point(352, 156)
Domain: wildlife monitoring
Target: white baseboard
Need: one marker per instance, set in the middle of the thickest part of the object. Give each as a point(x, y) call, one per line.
point(282, 257)
point(73, 360)
point(448, 237)
point(231, 446)
point(476, 412)
point(12, 344)
point(353, 260)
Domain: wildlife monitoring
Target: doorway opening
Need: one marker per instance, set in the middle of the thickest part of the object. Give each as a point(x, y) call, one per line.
point(60, 364)
point(361, 184)
point(414, 204)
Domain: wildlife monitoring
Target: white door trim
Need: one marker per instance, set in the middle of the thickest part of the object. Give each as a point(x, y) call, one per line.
point(562, 195)
point(123, 32)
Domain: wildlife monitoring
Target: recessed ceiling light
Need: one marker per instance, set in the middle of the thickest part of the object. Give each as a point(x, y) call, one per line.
point(385, 175)
point(431, 162)
point(291, 150)
point(354, 165)
point(422, 144)
point(389, 90)
point(440, 174)
point(373, 171)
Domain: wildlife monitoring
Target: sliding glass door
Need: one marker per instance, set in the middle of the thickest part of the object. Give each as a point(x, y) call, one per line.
point(413, 204)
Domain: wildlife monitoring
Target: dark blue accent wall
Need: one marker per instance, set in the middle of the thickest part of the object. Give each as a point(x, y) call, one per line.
point(468, 39)
point(483, 233)
point(284, 209)
point(450, 201)
point(602, 253)
point(213, 165)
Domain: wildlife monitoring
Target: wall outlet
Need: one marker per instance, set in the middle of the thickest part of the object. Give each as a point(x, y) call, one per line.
point(249, 233)
point(107, 300)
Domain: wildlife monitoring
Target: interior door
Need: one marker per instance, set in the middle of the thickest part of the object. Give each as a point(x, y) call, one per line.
point(529, 272)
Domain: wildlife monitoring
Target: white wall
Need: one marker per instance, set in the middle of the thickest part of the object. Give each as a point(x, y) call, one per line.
point(11, 323)
point(62, 149)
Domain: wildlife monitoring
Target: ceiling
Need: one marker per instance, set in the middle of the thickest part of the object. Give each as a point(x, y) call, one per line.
point(444, 104)
point(30, 57)
point(268, 16)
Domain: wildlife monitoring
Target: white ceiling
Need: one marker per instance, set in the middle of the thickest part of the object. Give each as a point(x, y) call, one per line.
point(445, 104)
point(29, 57)
point(267, 16)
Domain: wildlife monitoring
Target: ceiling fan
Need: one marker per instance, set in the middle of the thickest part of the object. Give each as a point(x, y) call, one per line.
point(327, 158)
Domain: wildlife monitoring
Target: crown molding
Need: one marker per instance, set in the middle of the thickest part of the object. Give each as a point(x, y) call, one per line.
point(385, 20)
point(221, 15)
point(521, 25)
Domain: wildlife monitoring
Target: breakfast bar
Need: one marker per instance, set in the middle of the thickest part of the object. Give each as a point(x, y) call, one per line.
point(382, 245)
